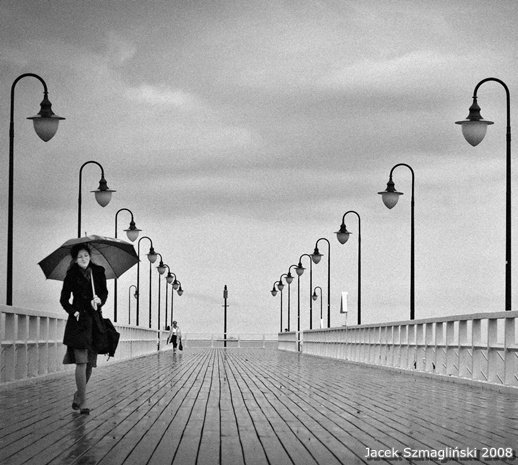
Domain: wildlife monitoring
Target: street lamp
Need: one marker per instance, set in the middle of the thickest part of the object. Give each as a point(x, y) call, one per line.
point(280, 286)
point(343, 235)
point(474, 129)
point(45, 124)
point(161, 270)
point(390, 198)
point(289, 279)
point(152, 256)
point(169, 279)
point(315, 296)
point(129, 300)
point(274, 293)
point(103, 194)
point(300, 270)
point(132, 233)
point(316, 256)
point(274, 290)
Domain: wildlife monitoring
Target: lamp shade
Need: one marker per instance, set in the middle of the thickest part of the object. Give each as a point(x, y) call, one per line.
point(300, 269)
point(152, 255)
point(132, 232)
point(316, 256)
point(180, 291)
point(342, 235)
point(390, 199)
point(46, 128)
point(474, 127)
point(280, 286)
point(103, 194)
point(474, 131)
point(390, 196)
point(314, 296)
point(289, 278)
point(46, 122)
point(274, 291)
point(169, 278)
point(161, 268)
point(175, 284)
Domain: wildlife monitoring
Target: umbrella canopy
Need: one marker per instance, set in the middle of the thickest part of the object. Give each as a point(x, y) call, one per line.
point(114, 255)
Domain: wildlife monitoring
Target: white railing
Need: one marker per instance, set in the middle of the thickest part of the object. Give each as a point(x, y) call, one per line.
point(481, 347)
point(31, 343)
point(233, 340)
point(288, 341)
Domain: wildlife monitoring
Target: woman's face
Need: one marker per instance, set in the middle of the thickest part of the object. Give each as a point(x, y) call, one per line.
point(83, 259)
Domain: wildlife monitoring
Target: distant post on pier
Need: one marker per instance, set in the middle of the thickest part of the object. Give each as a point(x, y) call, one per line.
point(225, 305)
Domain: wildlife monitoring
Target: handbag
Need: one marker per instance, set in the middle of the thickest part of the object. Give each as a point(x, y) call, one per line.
point(106, 338)
point(180, 346)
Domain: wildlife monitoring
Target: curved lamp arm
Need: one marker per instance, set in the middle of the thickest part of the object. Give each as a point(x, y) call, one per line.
point(132, 232)
point(103, 194)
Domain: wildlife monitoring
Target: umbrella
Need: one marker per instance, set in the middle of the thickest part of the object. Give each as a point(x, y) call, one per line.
point(115, 255)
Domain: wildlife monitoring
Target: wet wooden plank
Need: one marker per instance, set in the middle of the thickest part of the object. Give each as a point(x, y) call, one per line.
point(237, 406)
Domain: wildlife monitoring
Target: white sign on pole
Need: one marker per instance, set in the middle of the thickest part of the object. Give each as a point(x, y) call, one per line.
point(343, 306)
point(343, 303)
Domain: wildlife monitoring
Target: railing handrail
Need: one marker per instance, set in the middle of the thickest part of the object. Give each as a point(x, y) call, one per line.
point(480, 347)
point(443, 319)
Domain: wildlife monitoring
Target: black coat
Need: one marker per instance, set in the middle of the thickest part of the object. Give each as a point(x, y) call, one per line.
point(80, 334)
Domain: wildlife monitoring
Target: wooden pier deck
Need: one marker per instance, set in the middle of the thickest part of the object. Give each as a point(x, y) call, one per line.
point(254, 407)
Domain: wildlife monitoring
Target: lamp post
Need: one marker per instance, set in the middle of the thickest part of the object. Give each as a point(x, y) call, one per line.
point(103, 194)
point(316, 256)
point(280, 286)
point(45, 124)
point(474, 129)
point(132, 233)
point(274, 293)
point(169, 279)
point(129, 301)
point(152, 256)
point(289, 280)
point(175, 285)
point(315, 296)
point(343, 235)
point(161, 270)
point(390, 198)
point(300, 270)
point(225, 305)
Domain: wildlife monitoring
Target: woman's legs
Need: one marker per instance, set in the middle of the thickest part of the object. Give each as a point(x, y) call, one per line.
point(81, 380)
point(83, 374)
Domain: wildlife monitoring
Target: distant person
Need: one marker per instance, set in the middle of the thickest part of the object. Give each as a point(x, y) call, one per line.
point(83, 318)
point(175, 336)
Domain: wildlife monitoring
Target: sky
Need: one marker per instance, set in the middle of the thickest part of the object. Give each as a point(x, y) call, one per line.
point(239, 133)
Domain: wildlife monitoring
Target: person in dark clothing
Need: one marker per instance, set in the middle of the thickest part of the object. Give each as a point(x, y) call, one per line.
point(175, 336)
point(84, 318)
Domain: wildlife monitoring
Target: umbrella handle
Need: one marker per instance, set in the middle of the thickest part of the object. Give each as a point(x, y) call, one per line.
point(93, 288)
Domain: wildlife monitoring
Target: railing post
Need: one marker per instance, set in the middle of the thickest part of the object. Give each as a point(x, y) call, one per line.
point(492, 350)
point(476, 349)
point(510, 358)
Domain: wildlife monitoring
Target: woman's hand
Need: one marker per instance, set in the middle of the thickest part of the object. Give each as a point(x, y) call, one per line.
point(96, 302)
point(76, 314)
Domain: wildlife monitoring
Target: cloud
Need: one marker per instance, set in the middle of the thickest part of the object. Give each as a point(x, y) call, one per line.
point(120, 50)
point(163, 95)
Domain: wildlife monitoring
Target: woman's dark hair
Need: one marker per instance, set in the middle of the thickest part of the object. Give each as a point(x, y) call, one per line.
point(74, 252)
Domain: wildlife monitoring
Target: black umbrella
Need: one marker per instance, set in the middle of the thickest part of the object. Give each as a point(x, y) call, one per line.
point(115, 255)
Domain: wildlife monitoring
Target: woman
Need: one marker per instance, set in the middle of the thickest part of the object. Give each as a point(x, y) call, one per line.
point(83, 318)
point(175, 336)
